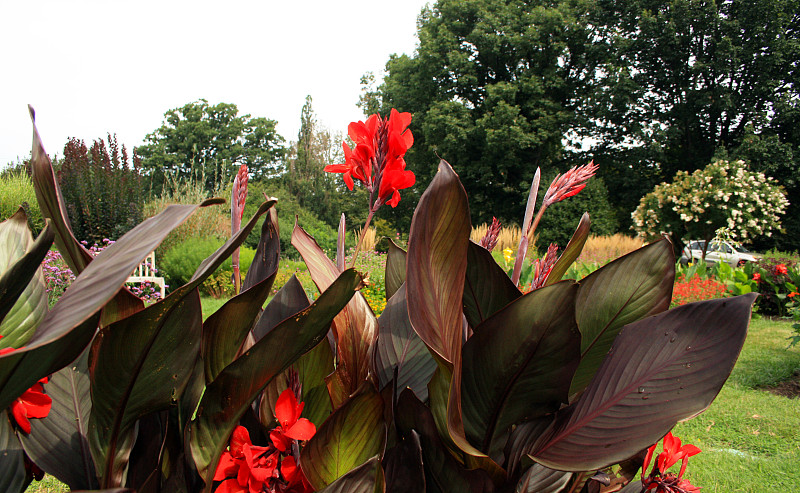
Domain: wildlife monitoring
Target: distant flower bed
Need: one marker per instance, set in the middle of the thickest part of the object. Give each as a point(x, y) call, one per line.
point(696, 289)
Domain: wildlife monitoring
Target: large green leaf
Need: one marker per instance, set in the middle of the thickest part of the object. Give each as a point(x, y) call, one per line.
point(366, 478)
point(659, 371)
point(355, 328)
point(58, 443)
point(487, 288)
point(51, 203)
point(628, 289)
point(312, 369)
point(518, 364)
point(572, 251)
point(23, 300)
point(12, 459)
point(350, 436)
point(443, 473)
point(229, 396)
point(540, 479)
point(143, 363)
point(395, 269)
point(437, 263)
point(67, 329)
point(400, 348)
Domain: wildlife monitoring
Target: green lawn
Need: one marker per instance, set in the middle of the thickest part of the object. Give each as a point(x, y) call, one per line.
point(750, 438)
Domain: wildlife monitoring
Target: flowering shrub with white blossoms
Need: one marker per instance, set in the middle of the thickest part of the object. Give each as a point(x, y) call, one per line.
point(722, 195)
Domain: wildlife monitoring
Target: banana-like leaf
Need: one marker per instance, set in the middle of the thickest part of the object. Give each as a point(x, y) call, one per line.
point(23, 300)
point(12, 459)
point(395, 269)
point(403, 465)
point(142, 364)
point(67, 329)
point(355, 329)
point(540, 479)
point(572, 251)
point(400, 347)
point(634, 286)
point(519, 363)
point(487, 288)
point(437, 263)
point(290, 299)
point(312, 369)
point(58, 443)
point(51, 203)
point(442, 472)
point(228, 397)
point(268, 251)
point(349, 437)
point(366, 478)
point(659, 371)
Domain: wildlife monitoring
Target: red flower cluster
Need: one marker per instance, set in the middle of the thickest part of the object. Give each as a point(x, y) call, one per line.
point(780, 269)
point(543, 266)
point(489, 240)
point(568, 184)
point(757, 277)
point(696, 289)
point(661, 481)
point(33, 403)
point(247, 468)
point(377, 160)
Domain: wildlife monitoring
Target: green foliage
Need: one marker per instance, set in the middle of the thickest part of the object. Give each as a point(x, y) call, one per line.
point(16, 190)
point(723, 195)
point(212, 141)
point(288, 207)
point(558, 225)
point(180, 262)
point(102, 190)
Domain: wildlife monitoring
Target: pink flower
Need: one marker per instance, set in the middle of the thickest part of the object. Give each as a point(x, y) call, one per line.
point(569, 184)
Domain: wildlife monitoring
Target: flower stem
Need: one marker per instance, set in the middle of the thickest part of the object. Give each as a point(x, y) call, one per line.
point(361, 237)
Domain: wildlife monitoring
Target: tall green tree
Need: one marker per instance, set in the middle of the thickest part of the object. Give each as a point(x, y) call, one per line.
point(493, 88)
point(210, 141)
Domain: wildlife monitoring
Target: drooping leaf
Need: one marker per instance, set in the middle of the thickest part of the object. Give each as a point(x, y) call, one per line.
point(572, 251)
point(67, 329)
point(142, 364)
point(395, 269)
point(355, 328)
point(227, 397)
point(350, 436)
point(660, 370)
point(442, 472)
point(366, 478)
point(403, 465)
point(77, 257)
point(12, 459)
point(540, 479)
point(23, 300)
point(518, 364)
point(58, 443)
point(628, 289)
point(487, 288)
point(437, 263)
point(400, 347)
point(521, 441)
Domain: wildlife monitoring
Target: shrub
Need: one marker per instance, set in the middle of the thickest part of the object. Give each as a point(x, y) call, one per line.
point(102, 190)
point(696, 289)
point(16, 190)
point(179, 264)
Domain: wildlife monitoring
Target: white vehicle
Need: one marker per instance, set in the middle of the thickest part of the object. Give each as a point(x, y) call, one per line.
point(718, 251)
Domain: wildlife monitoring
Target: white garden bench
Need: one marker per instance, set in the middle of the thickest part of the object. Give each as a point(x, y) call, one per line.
point(146, 273)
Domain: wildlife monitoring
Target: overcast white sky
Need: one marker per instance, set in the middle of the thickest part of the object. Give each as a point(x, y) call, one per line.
point(92, 67)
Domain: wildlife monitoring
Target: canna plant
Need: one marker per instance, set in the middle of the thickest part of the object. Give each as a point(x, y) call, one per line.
point(464, 383)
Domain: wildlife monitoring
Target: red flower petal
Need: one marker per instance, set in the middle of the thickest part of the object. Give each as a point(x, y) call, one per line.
point(240, 442)
point(286, 408)
point(226, 467)
point(230, 486)
point(303, 429)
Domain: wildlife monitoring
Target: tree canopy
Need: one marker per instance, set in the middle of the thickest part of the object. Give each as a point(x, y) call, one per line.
point(210, 141)
point(647, 88)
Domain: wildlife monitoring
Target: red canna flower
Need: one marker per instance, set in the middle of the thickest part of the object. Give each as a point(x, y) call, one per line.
point(568, 184)
point(34, 403)
point(489, 240)
point(757, 277)
point(292, 426)
point(780, 269)
point(661, 481)
point(295, 479)
point(245, 468)
point(543, 266)
point(377, 160)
